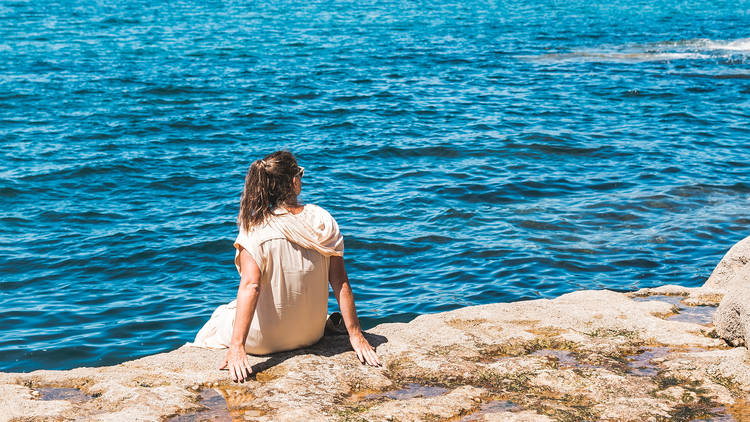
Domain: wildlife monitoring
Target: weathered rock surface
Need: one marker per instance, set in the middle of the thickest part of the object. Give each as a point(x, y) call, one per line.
point(735, 259)
point(732, 318)
point(654, 355)
point(590, 355)
point(728, 287)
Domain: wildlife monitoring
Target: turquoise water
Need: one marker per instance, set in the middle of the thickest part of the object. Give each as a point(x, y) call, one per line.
point(472, 152)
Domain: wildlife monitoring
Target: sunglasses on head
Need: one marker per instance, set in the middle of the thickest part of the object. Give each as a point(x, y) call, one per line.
point(301, 172)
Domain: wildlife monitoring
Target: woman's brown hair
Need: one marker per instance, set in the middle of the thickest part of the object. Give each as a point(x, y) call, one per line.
point(268, 185)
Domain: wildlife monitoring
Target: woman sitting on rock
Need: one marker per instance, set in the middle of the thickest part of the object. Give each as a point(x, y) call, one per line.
point(286, 254)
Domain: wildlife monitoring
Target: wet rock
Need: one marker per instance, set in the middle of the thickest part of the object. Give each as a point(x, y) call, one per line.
point(67, 394)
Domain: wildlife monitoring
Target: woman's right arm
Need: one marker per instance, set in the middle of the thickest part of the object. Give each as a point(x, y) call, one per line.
point(345, 297)
point(247, 299)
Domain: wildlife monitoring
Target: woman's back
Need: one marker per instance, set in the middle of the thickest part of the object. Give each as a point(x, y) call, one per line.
point(286, 254)
point(293, 299)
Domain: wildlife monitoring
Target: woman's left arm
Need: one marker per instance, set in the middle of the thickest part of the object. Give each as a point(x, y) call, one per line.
point(339, 281)
point(247, 299)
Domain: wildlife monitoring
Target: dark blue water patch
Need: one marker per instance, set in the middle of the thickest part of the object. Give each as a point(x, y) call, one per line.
point(471, 153)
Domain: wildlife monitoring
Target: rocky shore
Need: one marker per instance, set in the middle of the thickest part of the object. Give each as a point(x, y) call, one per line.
point(670, 353)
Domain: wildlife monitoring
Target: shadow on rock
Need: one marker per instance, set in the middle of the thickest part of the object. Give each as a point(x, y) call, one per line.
point(328, 346)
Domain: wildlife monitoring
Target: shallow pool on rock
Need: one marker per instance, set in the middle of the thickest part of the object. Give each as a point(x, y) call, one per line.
point(702, 315)
point(63, 393)
point(222, 405)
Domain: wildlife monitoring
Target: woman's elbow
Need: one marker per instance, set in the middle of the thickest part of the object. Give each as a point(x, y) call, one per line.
point(250, 286)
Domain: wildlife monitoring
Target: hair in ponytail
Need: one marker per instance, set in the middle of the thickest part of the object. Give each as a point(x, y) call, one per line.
point(268, 185)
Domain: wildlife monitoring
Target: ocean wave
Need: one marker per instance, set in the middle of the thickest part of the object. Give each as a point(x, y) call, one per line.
point(584, 56)
point(459, 175)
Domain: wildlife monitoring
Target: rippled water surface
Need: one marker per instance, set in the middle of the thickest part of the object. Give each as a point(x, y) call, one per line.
point(473, 152)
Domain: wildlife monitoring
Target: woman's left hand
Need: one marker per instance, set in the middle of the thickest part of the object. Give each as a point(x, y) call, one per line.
point(238, 365)
point(365, 352)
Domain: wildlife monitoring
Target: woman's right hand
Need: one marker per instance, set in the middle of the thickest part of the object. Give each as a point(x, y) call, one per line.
point(237, 363)
point(365, 352)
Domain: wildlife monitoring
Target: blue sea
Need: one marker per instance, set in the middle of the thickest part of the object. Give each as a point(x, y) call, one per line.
point(472, 152)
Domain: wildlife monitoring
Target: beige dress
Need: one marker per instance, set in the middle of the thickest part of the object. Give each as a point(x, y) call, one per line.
point(293, 300)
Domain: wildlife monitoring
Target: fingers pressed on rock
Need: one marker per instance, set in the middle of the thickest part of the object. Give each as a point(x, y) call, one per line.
point(241, 372)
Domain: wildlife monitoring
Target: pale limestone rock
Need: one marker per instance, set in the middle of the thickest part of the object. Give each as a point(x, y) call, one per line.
point(673, 393)
point(450, 405)
point(634, 409)
point(666, 290)
point(737, 257)
point(722, 374)
point(17, 401)
point(577, 357)
point(523, 416)
point(567, 358)
point(703, 297)
point(691, 296)
point(519, 365)
point(732, 318)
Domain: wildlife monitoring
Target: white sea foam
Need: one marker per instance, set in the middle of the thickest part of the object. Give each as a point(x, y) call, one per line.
point(694, 49)
point(705, 44)
point(742, 44)
point(582, 56)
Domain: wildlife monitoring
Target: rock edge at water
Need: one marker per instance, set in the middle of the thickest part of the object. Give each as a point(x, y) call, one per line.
point(732, 319)
point(589, 355)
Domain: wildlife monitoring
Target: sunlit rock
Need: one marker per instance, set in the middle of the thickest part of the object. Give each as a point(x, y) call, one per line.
point(730, 265)
point(588, 355)
point(732, 318)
